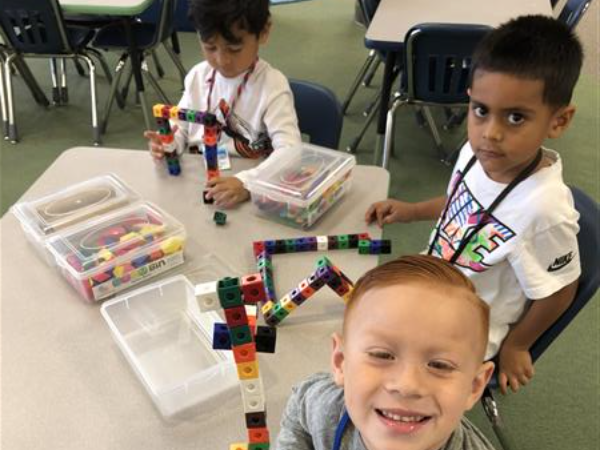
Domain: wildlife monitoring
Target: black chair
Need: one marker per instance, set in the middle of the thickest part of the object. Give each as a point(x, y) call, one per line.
point(319, 113)
point(147, 37)
point(35, 28)
point(573, 11)
point(437, 61)
point(588, 241)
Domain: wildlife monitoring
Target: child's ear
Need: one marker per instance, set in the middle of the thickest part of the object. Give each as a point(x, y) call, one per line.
point(263, 38)
point(482, 377)
point(337, 359)
point(561, 120)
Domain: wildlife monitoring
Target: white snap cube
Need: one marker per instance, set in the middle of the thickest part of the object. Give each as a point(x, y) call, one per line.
point(322, 243)
point(207, 296)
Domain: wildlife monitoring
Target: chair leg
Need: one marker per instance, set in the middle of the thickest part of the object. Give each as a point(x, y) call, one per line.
point(12, 127)
point(388, 140)
point(127, 84)
point(177, 61)
point(159, 68)
point(93, 52)
point(79, 68)
point(55, 85)
point(434, 130)
point(493, 414)
point(64, 90)
point(154, 84)
point(31, 82)
point(373, 105)
point(359, 77)
point(354, 144)
point(372, 72)
point(3, 109)
point(114, 87)
point(94, 108)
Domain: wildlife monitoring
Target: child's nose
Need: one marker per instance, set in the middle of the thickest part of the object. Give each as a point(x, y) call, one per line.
point(493, 130)
point(407, 381)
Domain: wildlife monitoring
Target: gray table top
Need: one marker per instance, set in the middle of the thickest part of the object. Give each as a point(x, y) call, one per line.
point(394, 18)
point(109, 7)
point(66, 385)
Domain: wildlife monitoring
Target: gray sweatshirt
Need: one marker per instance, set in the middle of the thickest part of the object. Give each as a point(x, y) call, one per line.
point(316, 407)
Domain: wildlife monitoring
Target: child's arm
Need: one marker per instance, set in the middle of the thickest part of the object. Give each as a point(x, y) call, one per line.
point(515, 365)
point(390, 211)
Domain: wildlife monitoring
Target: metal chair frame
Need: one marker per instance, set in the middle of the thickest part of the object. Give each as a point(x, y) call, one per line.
point(65, 50)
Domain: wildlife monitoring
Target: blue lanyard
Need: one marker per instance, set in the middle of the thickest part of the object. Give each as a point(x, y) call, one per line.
point(339, 432)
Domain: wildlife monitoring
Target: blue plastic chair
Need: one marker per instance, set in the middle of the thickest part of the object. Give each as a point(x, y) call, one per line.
point(573, 11)
point(588, 241)
point(319, 113)
point(437, 61)
point(35, 28)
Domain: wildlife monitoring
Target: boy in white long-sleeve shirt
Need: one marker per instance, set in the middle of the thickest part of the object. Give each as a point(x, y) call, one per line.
point(246, 94)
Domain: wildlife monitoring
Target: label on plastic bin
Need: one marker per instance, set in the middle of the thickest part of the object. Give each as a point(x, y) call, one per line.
point(142, 273)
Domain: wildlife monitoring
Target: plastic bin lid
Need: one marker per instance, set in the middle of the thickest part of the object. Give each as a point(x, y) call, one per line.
point(72, 205)
point(301, 172)
point(114, 238)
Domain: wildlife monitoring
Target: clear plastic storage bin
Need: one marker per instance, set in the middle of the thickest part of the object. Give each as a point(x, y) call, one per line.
point(168, 343)
point(298, 185)
point(115, 251)
point(43, 218)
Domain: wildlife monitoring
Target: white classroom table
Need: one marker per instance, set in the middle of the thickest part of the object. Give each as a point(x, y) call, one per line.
point(108, 7)
point(66, 385)
point(394, 18)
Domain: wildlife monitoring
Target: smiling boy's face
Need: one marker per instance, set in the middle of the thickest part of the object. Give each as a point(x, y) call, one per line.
point(410, 364)
point(509, 121)
point(232, 59)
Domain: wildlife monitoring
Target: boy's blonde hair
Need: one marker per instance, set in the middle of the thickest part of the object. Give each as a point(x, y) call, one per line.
point(421, 269)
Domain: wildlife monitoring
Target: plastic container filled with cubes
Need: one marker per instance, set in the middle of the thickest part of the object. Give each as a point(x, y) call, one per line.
point(47, 217)
point(168, 342)
point(297, 186)
point(112, 252)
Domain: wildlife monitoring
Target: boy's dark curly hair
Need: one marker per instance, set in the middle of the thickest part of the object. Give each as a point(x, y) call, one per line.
point(534, 47)
point(221, 17)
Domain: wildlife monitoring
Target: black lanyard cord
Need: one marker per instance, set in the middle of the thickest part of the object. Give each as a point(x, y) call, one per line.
point(486, 214)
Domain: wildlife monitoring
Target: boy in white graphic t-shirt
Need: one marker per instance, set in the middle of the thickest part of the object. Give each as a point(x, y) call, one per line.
point(507, 219)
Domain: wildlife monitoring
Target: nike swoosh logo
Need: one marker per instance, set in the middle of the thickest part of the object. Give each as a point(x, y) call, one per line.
point(559, 263)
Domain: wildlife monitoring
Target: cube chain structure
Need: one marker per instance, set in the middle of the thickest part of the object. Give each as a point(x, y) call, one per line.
point(210, 139)
point(241, 335)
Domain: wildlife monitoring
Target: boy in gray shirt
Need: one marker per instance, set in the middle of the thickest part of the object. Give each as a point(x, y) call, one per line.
point(409, 363)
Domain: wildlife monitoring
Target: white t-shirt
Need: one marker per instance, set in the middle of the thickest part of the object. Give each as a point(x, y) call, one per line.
point(528, 251)
point(266, 104)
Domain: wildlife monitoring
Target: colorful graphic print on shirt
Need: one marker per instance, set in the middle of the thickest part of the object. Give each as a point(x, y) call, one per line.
point(464, 214)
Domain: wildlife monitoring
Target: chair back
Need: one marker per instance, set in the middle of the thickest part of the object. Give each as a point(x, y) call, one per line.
point(33, 26)
point(588, 241)
point(438, 61)
point(573, 11)
point(319, 113)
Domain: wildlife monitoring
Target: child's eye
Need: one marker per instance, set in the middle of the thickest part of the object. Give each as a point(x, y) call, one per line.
point(380, 354)
point(210, 49)
point(442, 366)
point(235, 50)
point(516, 118)
point(479, 111)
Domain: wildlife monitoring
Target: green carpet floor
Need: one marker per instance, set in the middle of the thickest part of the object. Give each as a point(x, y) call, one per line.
point(319, 41)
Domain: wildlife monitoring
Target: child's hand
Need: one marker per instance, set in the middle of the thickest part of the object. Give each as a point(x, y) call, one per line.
point(390, 211)
point(157, 149)
point(516, 368)
point(227, 191)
